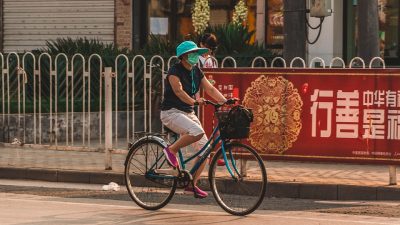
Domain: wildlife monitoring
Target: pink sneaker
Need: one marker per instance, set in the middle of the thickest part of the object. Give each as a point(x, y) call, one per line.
point(220, 162)
point(171, 157)
point(196, 191)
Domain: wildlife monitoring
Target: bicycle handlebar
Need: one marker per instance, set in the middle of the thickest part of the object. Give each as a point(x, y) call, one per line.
point(230, 101)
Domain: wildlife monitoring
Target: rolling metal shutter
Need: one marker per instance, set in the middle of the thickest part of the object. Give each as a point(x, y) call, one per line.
point(29, 24)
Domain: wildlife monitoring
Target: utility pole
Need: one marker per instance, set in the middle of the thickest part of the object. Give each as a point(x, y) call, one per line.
point(368, 30)
point(260, 23)
point(294, 30)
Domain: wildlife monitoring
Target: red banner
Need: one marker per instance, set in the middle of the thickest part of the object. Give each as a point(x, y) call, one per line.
point(318, 114)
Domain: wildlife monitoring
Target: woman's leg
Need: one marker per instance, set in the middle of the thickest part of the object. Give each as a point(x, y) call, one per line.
point(197, 175)
point(183, 141)
point(198, 145)
point(182, 123)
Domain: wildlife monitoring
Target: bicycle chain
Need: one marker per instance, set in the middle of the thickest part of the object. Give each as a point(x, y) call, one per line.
point(183, 180)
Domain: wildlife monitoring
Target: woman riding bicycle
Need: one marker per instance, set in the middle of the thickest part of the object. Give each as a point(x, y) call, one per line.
point(182, 85)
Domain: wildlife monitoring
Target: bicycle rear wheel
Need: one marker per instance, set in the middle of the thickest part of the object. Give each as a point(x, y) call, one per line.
point(243, 195)
point(147, 188)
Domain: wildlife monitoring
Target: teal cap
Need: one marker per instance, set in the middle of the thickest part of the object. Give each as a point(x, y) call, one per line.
point(189, 46)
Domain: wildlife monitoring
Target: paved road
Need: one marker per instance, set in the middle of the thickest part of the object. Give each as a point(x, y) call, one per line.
point(29, 209)
point(27, 202)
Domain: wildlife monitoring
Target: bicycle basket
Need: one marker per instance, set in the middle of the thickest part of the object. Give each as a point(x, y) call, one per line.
point(235, 124)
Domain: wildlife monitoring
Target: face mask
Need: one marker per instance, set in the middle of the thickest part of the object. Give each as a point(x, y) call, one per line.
point(193, 58)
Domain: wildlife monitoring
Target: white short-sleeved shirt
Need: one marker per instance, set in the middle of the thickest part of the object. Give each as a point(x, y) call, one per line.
point(207, 62)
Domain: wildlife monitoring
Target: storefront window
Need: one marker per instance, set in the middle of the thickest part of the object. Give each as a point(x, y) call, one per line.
point(389, 28)
point(160, 17)
point(388, 15)
point(173, 18)
point(170, 18)
point(159, 13)
point(184, 17)
point(274, 36)
point(221, 12)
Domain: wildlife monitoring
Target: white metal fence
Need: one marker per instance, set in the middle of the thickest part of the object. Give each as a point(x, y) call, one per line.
point(78, 103)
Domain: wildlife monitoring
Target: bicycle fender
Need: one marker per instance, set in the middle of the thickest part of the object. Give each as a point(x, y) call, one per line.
point(154, 138)
point(138, 142)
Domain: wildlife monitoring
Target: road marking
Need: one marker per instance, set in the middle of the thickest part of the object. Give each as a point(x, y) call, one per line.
point(58, 200)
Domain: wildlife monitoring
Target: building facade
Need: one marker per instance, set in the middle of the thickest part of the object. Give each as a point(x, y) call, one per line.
point(338, 38)
point(27, 25)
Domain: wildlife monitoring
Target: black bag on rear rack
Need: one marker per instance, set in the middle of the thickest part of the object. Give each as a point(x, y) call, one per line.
point(235, 124)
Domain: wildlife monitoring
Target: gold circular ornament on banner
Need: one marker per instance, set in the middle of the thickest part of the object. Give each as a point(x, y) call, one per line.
point(277, 107)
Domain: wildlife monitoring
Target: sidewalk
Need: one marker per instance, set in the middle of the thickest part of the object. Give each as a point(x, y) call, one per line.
point(286, 179)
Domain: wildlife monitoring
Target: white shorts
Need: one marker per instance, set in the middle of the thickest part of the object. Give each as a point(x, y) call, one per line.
point(184, 123)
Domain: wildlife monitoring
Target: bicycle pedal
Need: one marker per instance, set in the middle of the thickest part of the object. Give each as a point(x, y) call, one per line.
point(171, 172)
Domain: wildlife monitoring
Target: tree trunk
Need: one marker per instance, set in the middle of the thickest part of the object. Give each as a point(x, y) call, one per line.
point(294, 30)
point(368, 30)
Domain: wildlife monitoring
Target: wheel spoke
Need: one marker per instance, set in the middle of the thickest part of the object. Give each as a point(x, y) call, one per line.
point(243, 196)
point(147, 192)
point(133, 164)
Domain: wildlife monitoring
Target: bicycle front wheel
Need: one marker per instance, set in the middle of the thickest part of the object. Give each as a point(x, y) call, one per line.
point(243, 192)
point(149, 189)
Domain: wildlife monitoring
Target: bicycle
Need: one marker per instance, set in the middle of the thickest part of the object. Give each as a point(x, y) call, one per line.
point(151, 182)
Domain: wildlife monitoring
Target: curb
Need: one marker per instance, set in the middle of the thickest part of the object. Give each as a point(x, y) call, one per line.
point(274, 189)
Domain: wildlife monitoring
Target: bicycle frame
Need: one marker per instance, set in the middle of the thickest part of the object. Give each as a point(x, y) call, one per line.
point(207, 151)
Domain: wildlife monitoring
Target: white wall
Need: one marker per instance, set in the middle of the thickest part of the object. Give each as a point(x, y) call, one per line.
point(330, 43)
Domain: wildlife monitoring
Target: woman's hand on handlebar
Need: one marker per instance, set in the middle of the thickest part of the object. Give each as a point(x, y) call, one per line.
point(200, 101)
point(231, 101)
point(228, 102)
